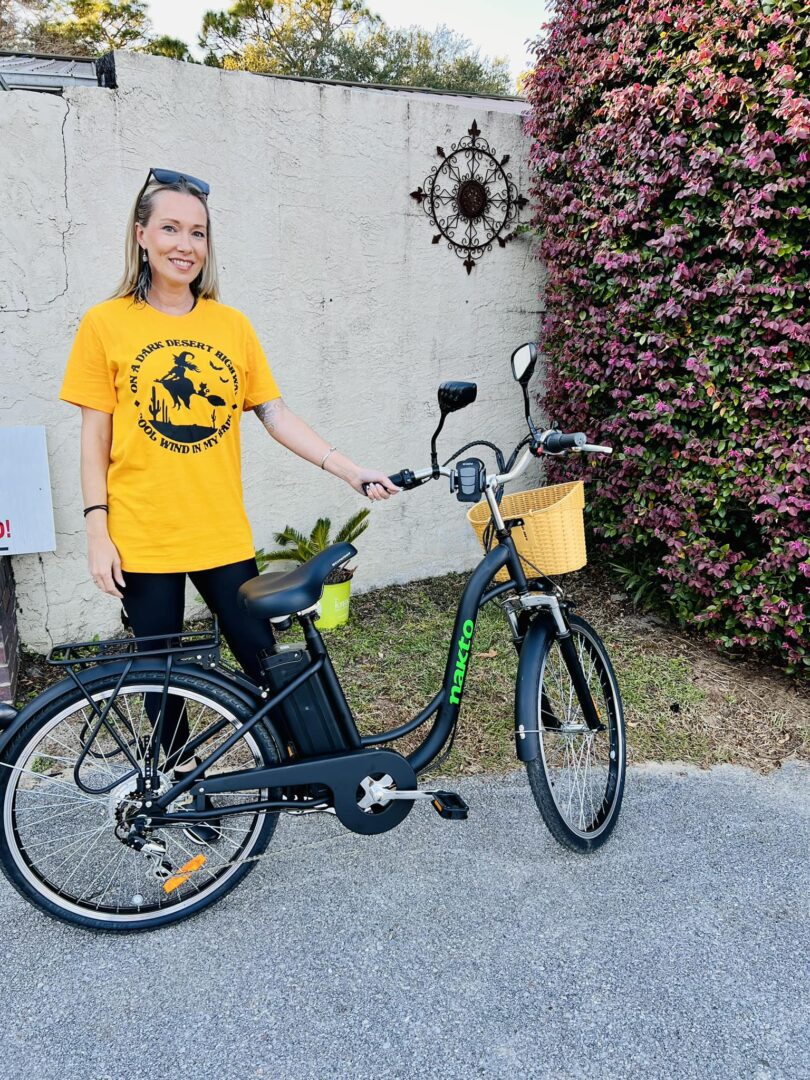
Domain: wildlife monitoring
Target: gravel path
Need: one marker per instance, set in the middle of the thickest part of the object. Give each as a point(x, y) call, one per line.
point(455, 950)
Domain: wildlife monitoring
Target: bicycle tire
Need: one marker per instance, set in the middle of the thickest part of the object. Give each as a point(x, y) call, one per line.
point(31, 755)
point(579, 814)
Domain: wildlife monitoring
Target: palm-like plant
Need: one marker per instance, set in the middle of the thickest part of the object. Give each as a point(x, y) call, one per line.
point(298, 548)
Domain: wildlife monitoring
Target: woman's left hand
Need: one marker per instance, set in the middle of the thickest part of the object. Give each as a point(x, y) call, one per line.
point(379, 486)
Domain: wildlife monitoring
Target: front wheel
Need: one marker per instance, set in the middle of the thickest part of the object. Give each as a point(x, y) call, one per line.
point(578, 777)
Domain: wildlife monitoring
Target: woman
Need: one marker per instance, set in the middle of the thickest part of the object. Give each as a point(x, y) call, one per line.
point(162, 372)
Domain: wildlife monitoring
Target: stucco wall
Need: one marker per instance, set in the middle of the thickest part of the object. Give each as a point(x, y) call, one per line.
point(319, 243)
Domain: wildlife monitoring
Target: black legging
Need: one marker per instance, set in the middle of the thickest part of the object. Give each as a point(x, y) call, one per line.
point(154, 604)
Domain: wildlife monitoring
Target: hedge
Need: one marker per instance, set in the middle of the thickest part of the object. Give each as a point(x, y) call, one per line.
point(669, 175)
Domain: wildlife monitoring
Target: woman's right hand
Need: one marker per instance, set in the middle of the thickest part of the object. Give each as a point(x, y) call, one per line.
point(105, 563)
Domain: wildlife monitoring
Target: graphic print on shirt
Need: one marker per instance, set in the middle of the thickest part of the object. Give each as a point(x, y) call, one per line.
point(185, 400)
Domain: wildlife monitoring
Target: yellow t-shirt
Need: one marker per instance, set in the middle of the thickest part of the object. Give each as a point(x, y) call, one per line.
point(176, 386)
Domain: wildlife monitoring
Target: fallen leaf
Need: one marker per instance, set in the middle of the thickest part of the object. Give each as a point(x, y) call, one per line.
point(487, 655)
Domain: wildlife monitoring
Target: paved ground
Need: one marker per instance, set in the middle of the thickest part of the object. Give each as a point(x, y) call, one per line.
point(450, 949)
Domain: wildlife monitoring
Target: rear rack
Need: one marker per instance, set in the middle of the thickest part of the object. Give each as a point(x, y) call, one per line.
point(196, 646)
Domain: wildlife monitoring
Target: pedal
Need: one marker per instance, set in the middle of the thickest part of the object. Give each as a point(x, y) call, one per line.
point(448, 804)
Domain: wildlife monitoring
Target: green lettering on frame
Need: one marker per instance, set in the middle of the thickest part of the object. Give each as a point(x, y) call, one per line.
point(460, 672)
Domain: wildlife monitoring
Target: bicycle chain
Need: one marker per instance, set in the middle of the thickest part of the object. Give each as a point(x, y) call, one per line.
point(278, 854)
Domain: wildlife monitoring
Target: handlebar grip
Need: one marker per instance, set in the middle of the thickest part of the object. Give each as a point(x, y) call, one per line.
point(403, 479)
point(557, 441)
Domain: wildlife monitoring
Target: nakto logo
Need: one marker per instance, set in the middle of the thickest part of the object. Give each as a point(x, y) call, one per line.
point(461, 661)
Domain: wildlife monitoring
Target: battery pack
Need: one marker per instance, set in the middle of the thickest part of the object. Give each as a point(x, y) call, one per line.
point(306, 716)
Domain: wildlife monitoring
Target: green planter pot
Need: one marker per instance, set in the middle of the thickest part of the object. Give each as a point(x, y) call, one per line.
point(334, 606)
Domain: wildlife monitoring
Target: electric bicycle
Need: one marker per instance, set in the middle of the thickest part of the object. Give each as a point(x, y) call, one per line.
point(95, 815)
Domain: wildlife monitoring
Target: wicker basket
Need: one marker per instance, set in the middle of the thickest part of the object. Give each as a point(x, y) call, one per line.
point(553, 533)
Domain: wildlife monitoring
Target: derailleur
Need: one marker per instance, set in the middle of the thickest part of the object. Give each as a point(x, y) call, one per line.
point(152, 850)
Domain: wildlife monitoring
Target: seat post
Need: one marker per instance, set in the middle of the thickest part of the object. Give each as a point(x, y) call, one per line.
point(317, 648)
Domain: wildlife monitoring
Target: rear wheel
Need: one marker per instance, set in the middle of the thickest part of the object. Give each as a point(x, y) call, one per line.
point(578, 777)
point(61, 841)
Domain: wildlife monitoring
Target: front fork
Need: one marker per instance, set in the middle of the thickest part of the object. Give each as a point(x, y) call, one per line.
point(534, 637)
point(584, 695)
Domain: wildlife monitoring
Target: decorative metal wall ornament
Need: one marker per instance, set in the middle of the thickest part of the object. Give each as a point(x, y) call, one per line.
point(470, 198)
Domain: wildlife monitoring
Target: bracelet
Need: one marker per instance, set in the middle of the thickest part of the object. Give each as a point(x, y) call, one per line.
point(331, 450)
point(98, 506)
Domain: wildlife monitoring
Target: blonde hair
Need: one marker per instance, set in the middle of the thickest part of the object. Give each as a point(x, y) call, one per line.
point(137, 277)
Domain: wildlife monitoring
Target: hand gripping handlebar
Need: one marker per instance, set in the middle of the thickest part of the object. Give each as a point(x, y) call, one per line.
point(405, 479)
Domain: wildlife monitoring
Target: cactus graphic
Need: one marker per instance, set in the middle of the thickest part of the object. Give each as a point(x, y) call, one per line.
point(154, 408)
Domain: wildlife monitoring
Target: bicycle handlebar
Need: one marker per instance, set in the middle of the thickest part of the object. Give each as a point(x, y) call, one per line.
point(556, 441)
point(408, 480)
point(550, 442)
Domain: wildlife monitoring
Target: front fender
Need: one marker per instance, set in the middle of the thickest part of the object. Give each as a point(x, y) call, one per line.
point(88, 676)
point(527, 688)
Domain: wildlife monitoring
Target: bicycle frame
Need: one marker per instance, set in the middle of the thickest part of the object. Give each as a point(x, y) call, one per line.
point(444, 706)
point(446, 702)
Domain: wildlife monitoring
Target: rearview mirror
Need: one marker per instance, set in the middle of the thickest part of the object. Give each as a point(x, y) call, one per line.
point(452, 397)
point(455, 395)
point(523, 360)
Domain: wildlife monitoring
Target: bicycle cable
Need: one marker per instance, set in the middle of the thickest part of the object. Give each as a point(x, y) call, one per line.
point(480, 442)
point(444, 755)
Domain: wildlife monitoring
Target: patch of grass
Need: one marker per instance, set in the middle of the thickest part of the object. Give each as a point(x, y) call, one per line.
point(392, 655)
point(682, 700)
point(42, 764)
point(660, 700)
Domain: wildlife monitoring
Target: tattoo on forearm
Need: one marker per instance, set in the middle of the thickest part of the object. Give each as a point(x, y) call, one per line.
point(269, 412)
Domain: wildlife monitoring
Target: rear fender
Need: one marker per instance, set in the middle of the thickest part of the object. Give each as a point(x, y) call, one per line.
point(527, 688)
point(88, 676)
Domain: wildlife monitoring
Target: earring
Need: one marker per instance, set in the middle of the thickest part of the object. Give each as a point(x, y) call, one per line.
point(144, 256)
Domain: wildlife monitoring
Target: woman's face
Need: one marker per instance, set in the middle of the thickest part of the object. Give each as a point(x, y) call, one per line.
point(176, 237)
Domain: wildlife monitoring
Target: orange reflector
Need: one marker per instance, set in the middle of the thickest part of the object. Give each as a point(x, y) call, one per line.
point(184, 874)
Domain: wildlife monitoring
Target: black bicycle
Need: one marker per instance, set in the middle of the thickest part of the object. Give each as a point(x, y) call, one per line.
point(100, 828)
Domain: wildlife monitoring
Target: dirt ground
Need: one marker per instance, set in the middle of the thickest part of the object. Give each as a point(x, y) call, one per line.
point(733, 710)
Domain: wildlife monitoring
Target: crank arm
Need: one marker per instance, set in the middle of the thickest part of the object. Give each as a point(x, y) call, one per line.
point(447, 803)
point(381, 792)
point(385, 795)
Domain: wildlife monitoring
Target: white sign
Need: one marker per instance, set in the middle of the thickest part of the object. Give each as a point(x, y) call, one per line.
point(26, 509)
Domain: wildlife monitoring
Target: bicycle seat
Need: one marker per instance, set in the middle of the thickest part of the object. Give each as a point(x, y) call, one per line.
point(271, 596)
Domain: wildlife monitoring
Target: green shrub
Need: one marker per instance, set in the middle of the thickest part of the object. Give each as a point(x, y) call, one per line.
point(670, 170)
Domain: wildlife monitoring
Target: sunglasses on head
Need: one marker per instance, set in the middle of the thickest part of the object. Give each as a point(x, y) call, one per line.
point(169, 176)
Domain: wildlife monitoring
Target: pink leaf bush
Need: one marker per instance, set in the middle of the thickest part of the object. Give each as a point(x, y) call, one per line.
point(670, 164)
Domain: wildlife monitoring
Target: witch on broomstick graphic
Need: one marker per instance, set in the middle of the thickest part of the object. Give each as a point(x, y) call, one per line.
point(181, 390)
